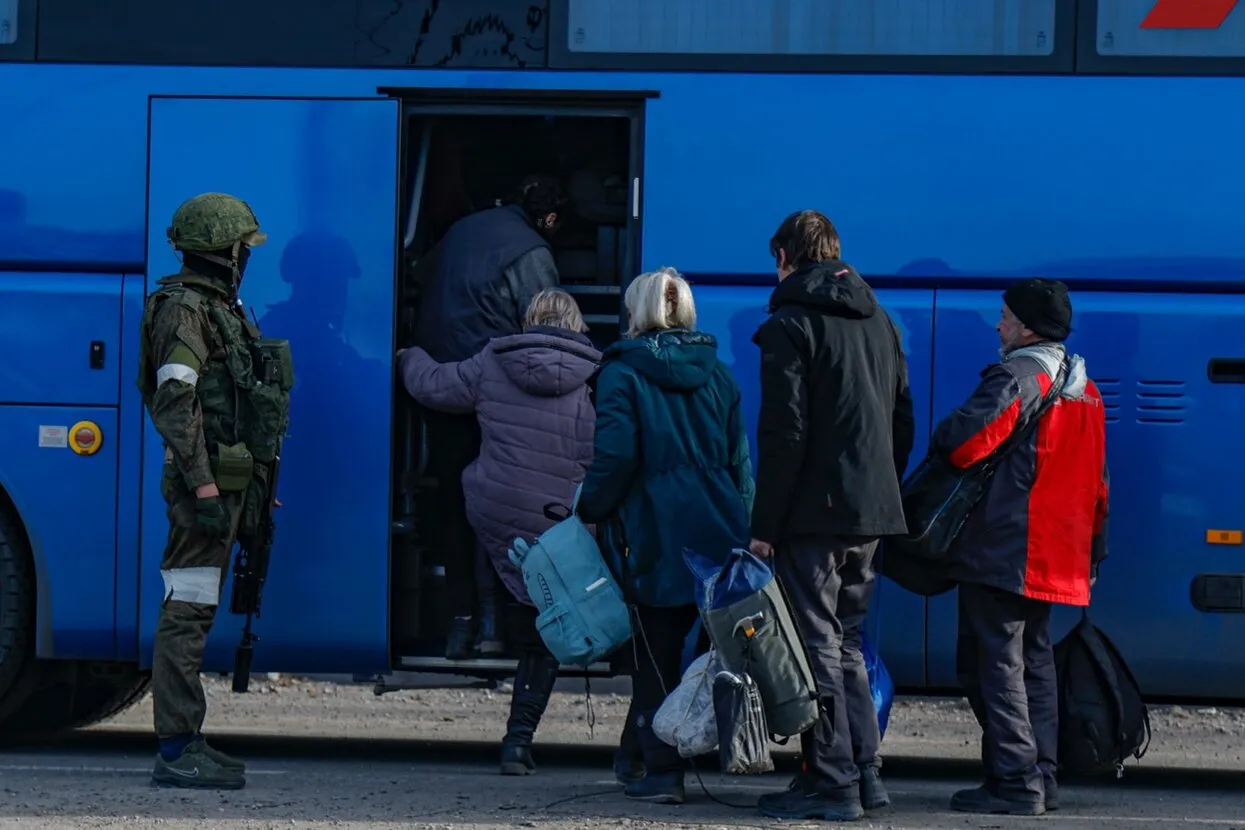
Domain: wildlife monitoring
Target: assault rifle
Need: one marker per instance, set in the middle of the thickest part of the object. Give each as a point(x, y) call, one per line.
point(250, 571)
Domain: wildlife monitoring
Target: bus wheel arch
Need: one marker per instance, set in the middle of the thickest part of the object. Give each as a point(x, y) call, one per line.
point(42, 697)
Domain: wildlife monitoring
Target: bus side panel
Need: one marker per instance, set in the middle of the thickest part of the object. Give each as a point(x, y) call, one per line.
point(129, 470)
point(321, 176)
point(68, 506)
point(1174, 445)
point(59, 339)
point(1033, 194)
point(732, 314)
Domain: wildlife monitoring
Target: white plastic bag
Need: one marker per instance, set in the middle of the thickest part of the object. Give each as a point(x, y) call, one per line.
point(686, 719)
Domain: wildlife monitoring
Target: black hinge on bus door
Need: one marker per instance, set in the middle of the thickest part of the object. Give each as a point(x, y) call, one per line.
point(97, 354)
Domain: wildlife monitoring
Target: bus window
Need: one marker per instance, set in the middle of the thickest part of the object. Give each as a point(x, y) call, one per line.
point(17, 29)
point(814, 35)
point(1162, 37)
point(8, 22)
point(813, 27)
point(501, 34)
point(1140, 28)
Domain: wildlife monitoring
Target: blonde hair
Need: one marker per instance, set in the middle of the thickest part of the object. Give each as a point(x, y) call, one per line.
point(659, 300)
point(555, 308)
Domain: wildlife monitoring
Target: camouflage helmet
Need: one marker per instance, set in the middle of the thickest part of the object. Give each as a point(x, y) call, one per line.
point(214, 222)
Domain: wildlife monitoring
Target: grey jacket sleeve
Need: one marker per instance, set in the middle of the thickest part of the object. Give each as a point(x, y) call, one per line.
point(527, 276)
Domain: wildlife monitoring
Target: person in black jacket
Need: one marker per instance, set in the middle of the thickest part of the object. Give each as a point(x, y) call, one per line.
point(476, 285)
point(835, 431)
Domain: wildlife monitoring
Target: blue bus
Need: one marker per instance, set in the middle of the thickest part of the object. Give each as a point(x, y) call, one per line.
point(958, 144)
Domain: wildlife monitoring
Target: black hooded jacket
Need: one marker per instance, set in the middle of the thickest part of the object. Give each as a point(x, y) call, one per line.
point(836, 423)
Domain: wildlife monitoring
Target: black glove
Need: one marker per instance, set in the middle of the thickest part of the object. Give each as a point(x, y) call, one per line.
point(211, 519)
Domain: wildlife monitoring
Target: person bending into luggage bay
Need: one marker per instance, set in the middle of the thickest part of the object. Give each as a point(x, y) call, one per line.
point(835, 431)
point(670, 470)
point(1036, 538)
point(481, 278)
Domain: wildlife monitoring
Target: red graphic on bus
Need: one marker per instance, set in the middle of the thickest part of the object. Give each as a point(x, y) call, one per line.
point(1188, 14)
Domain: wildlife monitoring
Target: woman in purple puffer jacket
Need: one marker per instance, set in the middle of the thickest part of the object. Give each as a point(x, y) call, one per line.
point(530, 394)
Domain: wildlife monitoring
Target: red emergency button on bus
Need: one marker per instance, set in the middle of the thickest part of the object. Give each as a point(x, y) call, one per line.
point(85, 438)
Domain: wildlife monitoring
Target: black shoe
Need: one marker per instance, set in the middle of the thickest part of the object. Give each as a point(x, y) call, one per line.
point(982, 800)
point(459, 645)
point(516, 760)
point(533, 684)
point(657, 788)
point(873, 794)
point(804, 800)
point(628, 768)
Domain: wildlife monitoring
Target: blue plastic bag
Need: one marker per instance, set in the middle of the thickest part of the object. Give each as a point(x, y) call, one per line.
point(721, 584)
point(880, 683)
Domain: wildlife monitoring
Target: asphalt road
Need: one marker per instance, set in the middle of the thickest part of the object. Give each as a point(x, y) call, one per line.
point(101, 779)
point(336, 755)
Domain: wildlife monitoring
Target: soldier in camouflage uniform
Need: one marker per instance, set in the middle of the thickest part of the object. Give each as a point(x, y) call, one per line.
point(219, 396)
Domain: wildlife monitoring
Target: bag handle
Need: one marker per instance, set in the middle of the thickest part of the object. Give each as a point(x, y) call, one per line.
point(551, 509)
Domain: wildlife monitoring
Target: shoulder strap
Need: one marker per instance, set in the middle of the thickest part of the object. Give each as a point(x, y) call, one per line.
point(1022, 434)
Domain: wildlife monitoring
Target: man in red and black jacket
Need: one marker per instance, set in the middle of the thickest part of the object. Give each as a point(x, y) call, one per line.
point(1035, 539)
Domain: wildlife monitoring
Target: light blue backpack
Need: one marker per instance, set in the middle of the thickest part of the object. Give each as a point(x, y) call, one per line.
point(582, 613)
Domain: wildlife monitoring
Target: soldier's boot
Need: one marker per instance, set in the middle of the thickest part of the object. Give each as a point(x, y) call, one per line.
point(196, 769)
point(227, 761)
point(533, 684)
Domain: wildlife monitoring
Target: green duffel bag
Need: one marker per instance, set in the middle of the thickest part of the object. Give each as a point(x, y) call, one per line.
point(745, 613)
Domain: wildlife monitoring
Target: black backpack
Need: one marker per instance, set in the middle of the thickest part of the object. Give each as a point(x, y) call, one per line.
point(1102, 719)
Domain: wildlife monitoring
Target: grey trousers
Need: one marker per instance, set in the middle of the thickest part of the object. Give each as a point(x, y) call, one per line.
point(828, 582)
point(1006, 665)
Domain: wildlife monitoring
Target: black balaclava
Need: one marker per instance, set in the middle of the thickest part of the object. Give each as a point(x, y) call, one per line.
point(215, 264)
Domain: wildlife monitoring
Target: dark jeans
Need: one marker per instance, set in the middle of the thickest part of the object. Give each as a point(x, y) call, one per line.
point(658, 653)
point(453, 443)
point(1007, 668)
point(828, 582)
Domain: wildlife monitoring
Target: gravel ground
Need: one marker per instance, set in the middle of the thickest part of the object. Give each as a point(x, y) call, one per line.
point(427, 759)
point(1206, 738)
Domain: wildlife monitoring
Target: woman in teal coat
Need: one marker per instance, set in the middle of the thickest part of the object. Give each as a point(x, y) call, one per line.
point(670, 470)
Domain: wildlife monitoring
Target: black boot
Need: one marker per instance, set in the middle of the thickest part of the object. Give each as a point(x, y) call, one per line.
point(628, 758)
point(990, 799)
point(663, 779)
point(533, 684)
point(489, 610)
point(805, 798)
point(1052, 789)
point(459, 645)
point(873, 795)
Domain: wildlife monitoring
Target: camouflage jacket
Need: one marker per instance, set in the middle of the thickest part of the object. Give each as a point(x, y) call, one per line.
point(197, 354)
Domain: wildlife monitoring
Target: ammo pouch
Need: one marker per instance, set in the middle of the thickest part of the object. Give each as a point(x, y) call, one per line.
point(232, 467)
point(263, 374)
point(265, 405)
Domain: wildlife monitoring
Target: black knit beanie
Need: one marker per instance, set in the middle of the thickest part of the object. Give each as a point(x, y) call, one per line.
point(1042, 305)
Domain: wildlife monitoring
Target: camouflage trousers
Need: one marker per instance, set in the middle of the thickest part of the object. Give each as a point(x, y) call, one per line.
point(194, 569)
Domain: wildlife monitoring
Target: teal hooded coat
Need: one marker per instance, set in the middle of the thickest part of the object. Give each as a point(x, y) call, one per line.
point(671, 467)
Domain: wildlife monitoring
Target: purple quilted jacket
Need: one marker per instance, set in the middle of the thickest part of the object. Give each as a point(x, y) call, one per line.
point(530, 394)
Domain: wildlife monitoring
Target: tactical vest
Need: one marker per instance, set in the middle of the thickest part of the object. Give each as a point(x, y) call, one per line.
point(244, 385)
